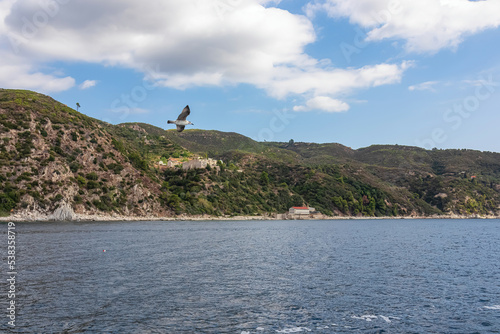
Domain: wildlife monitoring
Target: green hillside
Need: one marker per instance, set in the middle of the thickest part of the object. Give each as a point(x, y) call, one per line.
point(52, 155)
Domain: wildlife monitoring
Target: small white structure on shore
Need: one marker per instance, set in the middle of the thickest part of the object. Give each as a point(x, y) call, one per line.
point(301, 210)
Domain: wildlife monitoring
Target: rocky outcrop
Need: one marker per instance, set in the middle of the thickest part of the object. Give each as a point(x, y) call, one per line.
point(63, 213)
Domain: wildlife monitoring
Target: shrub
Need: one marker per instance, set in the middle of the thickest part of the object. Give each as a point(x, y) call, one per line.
point(81, 181)
point(6, 203)
point(115, 167)
point(92, 176)
point(26, 176)
point(59, 150)
point(137, 161)
point(74, 166)
point(92, 185)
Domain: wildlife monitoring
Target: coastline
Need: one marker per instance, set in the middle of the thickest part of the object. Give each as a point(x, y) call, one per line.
point(183, 217)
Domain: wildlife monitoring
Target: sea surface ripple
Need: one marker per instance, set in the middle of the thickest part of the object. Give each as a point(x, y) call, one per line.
point(246, 277)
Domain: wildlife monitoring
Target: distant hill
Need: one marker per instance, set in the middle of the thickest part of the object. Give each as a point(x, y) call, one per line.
point(52, 156)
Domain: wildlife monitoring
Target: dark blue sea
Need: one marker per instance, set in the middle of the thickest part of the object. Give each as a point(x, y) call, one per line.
point(344, 276)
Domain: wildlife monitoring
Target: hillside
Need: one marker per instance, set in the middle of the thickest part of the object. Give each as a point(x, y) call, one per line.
point(53, 157)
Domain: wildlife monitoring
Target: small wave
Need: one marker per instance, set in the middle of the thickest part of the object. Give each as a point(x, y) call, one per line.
point(494, 307)
point(373, 317)
point(294, 330)
point(365, 317)
point(386, 319)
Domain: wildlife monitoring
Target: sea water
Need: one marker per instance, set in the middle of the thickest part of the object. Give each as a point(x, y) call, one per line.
point(344, 276)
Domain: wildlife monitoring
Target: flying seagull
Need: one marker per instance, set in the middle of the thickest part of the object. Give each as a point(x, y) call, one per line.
point(181, 120)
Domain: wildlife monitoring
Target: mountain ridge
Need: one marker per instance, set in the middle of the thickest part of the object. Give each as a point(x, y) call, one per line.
point(54, 157)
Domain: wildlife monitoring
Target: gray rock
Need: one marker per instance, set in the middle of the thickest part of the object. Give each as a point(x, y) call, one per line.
point(63, 213)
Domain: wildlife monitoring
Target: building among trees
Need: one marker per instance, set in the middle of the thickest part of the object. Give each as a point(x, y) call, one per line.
point(301, 210)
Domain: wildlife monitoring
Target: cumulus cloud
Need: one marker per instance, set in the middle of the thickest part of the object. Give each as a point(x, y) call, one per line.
point(18, 72)
point(323, 103)
point(187, 43)
point(199, 38)
point(334, 81)
point(14, 73)
point(425, 25)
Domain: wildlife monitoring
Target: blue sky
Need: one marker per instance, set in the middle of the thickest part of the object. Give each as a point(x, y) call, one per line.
point(356, 72)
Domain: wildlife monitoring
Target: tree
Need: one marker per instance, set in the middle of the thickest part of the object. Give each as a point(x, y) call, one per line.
point(77, 106)
point(264, 178)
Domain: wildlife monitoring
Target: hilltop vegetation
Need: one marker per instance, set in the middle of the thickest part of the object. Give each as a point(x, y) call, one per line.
point(52, 155)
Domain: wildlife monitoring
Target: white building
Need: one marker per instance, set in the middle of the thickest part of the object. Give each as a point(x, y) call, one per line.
point(199, 163)
point(301, 210)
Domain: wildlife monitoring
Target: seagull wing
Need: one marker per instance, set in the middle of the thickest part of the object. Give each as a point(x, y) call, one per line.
point(180, 128)
point(185, 112)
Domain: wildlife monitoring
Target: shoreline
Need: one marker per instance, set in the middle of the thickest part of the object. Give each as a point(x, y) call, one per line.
point(120, 218)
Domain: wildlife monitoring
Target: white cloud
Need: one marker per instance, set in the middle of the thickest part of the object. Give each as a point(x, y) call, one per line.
point(15, 73)
point(334, 81)
point(428, 85)
point(188, 43)
point(87, 84)
point(425, 25)
point(483, 81)
point(181, 38)
point(323, 103)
